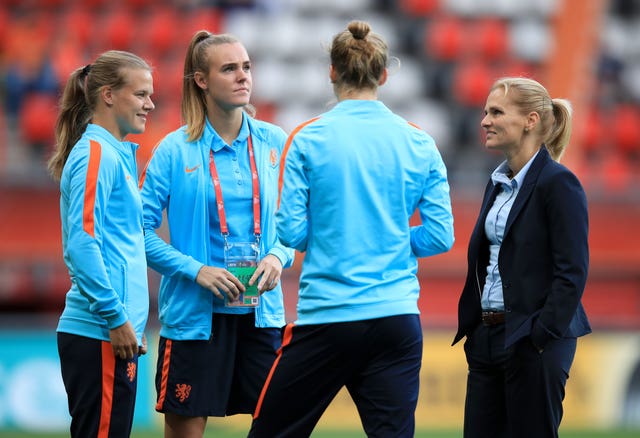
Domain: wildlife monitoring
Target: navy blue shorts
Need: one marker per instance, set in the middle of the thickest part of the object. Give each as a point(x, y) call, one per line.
point(378, 360)
point(101, 388)
point(219, 377)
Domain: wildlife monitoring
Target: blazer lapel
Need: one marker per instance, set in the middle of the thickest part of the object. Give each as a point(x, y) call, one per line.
point(527, 187)
point(490, 194)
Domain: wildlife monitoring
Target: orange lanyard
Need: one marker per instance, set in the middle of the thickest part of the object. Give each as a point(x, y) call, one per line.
point(255, 182)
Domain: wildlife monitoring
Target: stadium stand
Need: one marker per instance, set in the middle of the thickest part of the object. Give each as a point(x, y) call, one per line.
point(449, 52)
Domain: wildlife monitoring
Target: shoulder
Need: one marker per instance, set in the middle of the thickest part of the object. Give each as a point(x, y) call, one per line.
point(266, 131)
point(173, 143)
point(554, 173)
point(559, 183)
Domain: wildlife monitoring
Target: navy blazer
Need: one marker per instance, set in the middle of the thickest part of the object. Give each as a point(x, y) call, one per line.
point(543, 259)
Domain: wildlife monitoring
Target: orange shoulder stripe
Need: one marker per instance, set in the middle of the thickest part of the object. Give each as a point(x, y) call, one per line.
point(91, 182)
point(287, 145)
point(143, 175)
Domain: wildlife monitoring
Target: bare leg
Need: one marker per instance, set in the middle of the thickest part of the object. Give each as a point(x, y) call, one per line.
point(178, 426)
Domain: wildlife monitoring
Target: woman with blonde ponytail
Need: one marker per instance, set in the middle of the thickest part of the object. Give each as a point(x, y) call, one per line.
point(220, 301)
point(520, 309)
point(101, 329)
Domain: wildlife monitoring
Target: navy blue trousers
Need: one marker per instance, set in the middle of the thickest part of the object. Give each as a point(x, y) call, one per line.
point(515, 392)
point(377, 360)
point(101, 388)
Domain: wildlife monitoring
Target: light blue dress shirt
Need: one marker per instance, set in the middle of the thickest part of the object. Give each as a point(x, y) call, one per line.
point(494, 226)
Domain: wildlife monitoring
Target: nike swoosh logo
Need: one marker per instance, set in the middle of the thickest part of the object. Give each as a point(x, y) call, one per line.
point(191, 169)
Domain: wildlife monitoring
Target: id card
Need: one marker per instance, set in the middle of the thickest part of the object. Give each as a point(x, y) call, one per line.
point(241, 259)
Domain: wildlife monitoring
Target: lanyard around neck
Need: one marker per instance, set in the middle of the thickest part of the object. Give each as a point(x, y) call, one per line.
point(255, 182)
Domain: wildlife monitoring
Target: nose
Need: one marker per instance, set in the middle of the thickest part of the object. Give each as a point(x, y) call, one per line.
point(485, 121)
point(148, 104)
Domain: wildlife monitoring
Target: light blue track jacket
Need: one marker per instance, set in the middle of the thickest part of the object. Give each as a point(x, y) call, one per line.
point(352, 179)
point(102, 238)
point(178, 180)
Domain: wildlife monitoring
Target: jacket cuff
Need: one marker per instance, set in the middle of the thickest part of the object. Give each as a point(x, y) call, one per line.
point(192, 267)
point(281, 255)
point(117, 320)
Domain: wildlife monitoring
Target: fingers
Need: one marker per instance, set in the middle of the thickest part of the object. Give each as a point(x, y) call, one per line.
point(269, 271)
point(124, 341)
point(220, 282)
point(125, 352)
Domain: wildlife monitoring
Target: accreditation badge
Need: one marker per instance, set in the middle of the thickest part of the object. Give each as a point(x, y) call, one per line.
point(241, 259)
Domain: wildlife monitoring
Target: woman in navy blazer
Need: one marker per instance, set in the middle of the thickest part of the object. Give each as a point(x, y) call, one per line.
point(528, 258)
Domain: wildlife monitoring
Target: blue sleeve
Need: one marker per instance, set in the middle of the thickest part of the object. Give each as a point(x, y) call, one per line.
point(435, 234)
point(284, 254)
point(155, 188)
point(91, 178)
point(291, 216)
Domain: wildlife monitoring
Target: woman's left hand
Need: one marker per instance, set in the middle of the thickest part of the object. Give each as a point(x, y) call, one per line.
point(268, 271)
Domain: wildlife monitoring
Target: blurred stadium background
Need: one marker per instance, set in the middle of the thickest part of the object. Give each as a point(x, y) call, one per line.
point(450, 51)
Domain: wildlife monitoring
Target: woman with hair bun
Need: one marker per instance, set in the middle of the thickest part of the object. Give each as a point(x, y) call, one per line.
point(528, 259)
point(351, 180)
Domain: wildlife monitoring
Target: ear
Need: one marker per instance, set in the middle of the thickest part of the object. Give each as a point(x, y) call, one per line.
point(332, 74)
point(107, 95)
point(200, 80)
point(383, 78)
point(533, 118)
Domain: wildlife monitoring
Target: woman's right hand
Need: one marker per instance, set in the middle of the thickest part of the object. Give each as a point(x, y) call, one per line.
point(220, 281)
point(124, 341)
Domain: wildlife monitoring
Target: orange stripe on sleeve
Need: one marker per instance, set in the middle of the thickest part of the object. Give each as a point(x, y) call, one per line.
point(165, 374)
point(88, 219)
point(108, 377)
point(143, 175)
point(286, 340)
point(287, 145)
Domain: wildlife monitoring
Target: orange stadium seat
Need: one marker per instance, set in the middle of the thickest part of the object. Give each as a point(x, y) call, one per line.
point(419, 8)
point(78, 23)
point(207, 18)
point(444, 38)
point(626, 129)
point(593, 133)
point(489, 38)
point(119, 29)
point(159, 30)
point(37, 119)
point(471, 82)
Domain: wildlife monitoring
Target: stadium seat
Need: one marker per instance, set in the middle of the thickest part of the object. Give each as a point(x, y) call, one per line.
point(208, 18)
point(66, 56)
point(159, 31)
point(489, 38)
point(78, 23)
point(119, 29)
point(593, 133)
point(37, 119)
point(444, 38)
point(616, 173)
point(471, 82)
point(626, 129)
point(418, 8)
